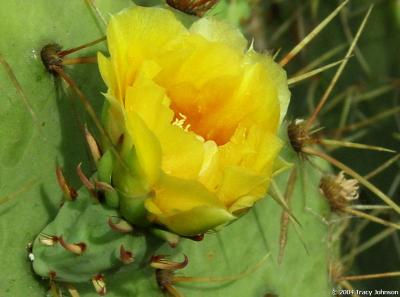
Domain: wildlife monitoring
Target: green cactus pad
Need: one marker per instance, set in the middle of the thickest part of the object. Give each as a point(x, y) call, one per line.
point(86, 222)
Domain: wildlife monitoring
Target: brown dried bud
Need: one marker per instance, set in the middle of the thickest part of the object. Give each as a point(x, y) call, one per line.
point(299, 135)
point(338, 190)
point(193, 7)
point(50, 56)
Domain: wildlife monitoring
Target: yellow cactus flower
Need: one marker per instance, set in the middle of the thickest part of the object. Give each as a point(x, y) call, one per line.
point(199, 114)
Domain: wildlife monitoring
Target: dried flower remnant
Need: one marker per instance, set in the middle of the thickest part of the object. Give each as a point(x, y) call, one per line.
point(338, 190)
point(193, 7)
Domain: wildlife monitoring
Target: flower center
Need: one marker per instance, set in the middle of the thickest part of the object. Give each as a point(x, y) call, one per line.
point(180, 121)
point(207, 122)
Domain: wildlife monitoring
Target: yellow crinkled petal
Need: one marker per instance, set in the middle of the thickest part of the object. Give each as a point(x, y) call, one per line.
point(250, 148)
point(182, 151)
point(277, 76)
point(242, 204)
point(200, 61)
point(196, 221)
point(113, 118)
point(146, 145)
point(186, 207)
point(106, 70)
point(219, 31)
point(174, 194)
point(148, 100)
point(238, 182)
point(217, 87)
point(269, 148)
point(258, 91)
point(138, 34)
point(244, 166)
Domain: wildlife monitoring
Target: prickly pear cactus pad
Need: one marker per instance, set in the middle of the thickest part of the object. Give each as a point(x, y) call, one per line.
point(147, 151)
point(83, 240)
point(31, 146)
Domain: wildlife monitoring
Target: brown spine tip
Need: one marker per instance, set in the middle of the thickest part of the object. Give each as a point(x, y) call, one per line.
point(121, 226)
point(75, 248)
point(104, 187)
point(93, 145)
point(49, 240)
point(164, 278)
point(87, 182)
point(69, 192)
point(99, 284)
point(72, 290)
point(52, 275)
point(198, 237)
point(125, 256)
point(161, 262)
point(173, 244)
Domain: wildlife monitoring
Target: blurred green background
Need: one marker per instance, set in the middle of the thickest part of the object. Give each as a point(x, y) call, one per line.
point(369, 86)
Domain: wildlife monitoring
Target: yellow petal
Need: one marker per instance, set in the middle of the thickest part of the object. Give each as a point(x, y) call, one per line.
point(277, 77)
point(113, 118)
point(242, 204)
point(217, 86)
point(106, 70)
point(137, 34)
point(219, 31)
point(198, 61)
point(196, 221)
point(175, 194)
point(186, 207)
point(244, 166)
point(182, 151)
point(238, 182)
point(251, 148)
point(146, 146)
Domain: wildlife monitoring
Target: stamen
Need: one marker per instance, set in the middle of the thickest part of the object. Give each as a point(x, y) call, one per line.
point(180, 121)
